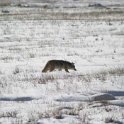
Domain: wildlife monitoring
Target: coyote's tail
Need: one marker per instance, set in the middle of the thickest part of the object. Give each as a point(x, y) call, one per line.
point(45, 68)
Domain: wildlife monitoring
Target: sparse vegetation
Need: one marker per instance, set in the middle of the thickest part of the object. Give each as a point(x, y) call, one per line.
point(12, 114)
point(32, 55)
point(16, 71)
point(6, 58)
point(4, 4)
point(109, 120)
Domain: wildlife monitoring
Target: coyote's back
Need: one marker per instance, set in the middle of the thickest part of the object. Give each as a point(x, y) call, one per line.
point(58, 64)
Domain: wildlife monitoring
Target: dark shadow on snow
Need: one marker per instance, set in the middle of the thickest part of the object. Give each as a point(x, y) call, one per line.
point(116, 93)
point(118, 122)
point(16, 99)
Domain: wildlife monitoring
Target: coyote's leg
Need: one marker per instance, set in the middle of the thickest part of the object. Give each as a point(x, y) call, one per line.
point(66, 70)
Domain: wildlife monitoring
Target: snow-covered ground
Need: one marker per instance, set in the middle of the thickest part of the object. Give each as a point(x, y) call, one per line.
point(93, 94)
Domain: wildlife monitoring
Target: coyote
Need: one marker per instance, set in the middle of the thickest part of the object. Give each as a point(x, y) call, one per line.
point(58, 64)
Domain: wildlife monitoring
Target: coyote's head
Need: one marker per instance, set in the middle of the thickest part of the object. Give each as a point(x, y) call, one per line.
point(73, 66)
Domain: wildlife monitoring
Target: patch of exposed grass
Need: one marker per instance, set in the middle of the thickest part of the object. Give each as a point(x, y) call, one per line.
point(112, 120)
point(16, 71)
point(7, 58)
point(116, 71)
point(99, 14)
point(12, 114)
point(4, 4)
point(102, 75)
point(50, 77)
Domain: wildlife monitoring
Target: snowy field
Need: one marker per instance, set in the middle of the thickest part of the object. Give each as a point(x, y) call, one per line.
point(94, 94)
